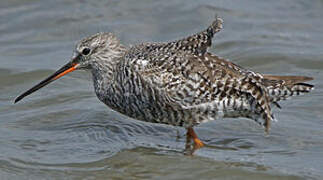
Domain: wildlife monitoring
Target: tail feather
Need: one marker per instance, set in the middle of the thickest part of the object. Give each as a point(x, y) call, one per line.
point(288, 80)
point(283, 87)
point(302, 88)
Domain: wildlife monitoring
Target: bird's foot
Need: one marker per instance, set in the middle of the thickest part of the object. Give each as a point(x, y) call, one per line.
point(197, 143)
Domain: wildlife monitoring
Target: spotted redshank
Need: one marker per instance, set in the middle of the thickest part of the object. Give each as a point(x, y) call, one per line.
point(178, 83)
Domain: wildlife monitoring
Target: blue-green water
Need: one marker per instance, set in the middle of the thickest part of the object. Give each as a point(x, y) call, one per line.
point(64, 132)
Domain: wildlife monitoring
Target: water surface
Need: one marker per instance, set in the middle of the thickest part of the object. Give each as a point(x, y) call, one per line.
point(64, 132)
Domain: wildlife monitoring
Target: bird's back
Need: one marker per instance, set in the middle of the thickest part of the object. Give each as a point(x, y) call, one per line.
point(182, 84)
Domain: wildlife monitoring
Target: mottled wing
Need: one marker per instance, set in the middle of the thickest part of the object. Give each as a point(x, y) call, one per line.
point(196, 44)
point(204, 82)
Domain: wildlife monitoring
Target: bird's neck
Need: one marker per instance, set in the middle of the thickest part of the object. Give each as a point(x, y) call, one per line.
point(103, 72)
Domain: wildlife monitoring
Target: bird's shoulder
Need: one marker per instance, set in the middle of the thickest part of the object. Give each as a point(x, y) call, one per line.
point(186, 78)
point(151, 58)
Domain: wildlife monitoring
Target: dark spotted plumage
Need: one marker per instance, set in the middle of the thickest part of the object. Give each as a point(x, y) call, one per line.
point(179, 82)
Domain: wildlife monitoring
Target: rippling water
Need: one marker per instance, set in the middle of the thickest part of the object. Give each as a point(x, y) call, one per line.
point(64, 132)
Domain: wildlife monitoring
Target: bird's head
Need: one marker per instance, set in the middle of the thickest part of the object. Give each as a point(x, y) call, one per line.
point(98, 48)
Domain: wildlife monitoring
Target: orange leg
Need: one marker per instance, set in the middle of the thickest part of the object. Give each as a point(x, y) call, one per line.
point(197, 143)
point(188, 142)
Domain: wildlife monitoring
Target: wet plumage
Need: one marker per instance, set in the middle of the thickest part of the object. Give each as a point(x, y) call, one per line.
point(179, 82)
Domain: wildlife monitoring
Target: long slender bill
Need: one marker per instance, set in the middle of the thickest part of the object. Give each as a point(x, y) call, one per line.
point(67, 68)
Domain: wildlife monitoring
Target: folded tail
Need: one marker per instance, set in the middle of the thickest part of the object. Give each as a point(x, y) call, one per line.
point(283, 87)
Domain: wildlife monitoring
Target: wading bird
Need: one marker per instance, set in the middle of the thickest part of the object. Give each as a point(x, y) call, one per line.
point(178, 83)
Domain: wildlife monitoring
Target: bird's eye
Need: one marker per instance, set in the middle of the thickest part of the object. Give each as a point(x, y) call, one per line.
point(86, 51)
